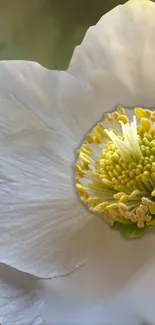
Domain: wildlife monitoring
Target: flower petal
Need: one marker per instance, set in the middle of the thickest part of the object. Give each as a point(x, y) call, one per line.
point(19, 302)
point(60, 309)
point(122, 43)
point(15, 116)
point(111, 267)
point(141, 292)
point(35, 97)
point(43, 227)
point(31, 94)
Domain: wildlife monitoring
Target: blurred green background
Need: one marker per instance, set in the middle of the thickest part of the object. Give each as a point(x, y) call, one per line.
point(47, 31)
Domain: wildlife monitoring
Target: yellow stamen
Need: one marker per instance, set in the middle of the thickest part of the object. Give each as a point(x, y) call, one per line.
point(115, 171)
point(112, 206)
point(121, 110)
point(100, 207)
point(118, 195)
point(115, 115)
point(134, 194)
point(80, 188)
point(145, 124)
point(152, 208)
point(109, 118)
point(85, 158)
point(124, 198)
point(140, 112)
point(153, 193)
point(89, 138)
point(148, 113)
point(106, 182)
point(123, 118)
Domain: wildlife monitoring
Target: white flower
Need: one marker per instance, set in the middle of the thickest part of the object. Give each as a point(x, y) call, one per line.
point(44, 116)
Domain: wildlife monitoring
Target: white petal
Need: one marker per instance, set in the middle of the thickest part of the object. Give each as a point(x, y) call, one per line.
point(34, 97)
point(60, 309)
point(111, 267)
point(142, 292)
point(19, 301)
point(122, 43)
point(43, 227)
point(15, 115)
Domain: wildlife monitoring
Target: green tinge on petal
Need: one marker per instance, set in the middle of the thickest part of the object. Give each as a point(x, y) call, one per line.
point(130, 231)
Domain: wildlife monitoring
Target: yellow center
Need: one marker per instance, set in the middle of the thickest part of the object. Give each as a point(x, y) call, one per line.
point(115, 171)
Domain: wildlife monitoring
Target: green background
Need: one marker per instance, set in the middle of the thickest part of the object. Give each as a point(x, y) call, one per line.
point(47, 31)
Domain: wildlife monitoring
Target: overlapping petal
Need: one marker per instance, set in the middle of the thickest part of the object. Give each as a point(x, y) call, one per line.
point(32, 97)
point(19, 300)
point(121, 43)
point(112, 266)
point(40, 215)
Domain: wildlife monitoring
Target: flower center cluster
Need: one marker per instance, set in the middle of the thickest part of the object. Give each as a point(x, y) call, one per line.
point(115, 170)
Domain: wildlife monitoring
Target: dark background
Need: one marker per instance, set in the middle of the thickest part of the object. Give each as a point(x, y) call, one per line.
point(47, 31)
